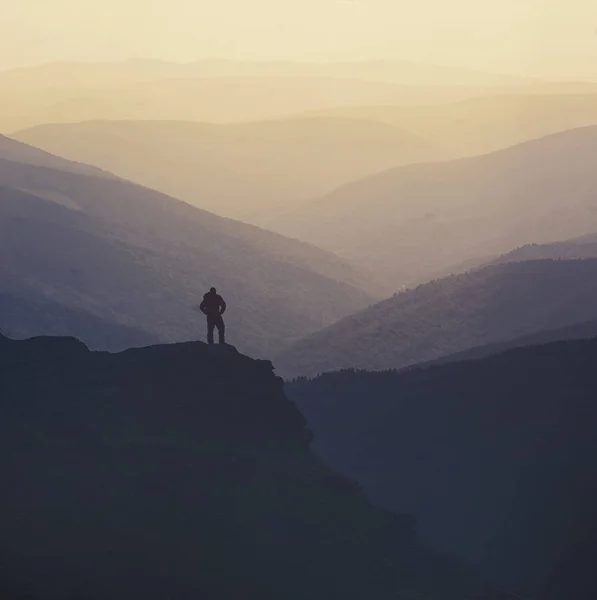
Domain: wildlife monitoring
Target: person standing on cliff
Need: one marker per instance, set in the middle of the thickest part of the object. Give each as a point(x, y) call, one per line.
point(213, 307)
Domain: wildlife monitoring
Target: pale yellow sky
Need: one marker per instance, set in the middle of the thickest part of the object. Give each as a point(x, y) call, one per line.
point(544, 37)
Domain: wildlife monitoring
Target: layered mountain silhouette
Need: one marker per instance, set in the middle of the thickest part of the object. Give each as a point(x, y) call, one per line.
point(421, 221)
point(212, 99)
point(249, 171)
point(575, 248)
point(183, 472)
point(579, 331)
point(494, 305)
point(482, 125)
point(497, 456)
point(226, 91)
point(581, 247)
point(91, 243)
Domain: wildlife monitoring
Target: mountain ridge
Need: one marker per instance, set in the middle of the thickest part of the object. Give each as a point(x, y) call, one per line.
point(486, 124)
point(133, 256)
point(250, 171)
point(183, 471)
point(417, 222)
point(496, 304)
point(68, 97)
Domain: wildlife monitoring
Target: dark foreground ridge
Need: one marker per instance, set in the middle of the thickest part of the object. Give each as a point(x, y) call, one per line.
point(182, 472)
point(497, 457)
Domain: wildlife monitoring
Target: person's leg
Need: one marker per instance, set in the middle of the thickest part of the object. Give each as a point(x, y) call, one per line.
point(221, 330)
point(210, 330)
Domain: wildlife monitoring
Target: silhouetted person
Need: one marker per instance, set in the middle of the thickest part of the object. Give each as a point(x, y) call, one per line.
point(213, 306)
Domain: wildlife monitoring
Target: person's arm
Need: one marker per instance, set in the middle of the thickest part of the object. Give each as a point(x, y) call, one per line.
point(202, 307)
point(222, 306)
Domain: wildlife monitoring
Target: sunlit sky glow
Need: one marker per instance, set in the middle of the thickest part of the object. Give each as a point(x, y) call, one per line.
point(542, 37)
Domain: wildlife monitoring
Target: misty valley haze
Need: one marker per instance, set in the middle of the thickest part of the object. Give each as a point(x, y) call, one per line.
point(407, 247)
point(248, 171)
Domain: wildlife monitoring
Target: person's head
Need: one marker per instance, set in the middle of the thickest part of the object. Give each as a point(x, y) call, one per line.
point(212, 290)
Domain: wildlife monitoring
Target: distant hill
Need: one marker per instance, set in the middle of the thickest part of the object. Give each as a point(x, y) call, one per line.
point(482, 125)
point(580, 331)
point(96, 244)
point(29, 313)
point(210, 99)
point(228, 91)
point(249, 171)
point(494, 305)
point(184, 472)
point(417, 222)
point(581, 247)
point(29, 155)
point(497, 457)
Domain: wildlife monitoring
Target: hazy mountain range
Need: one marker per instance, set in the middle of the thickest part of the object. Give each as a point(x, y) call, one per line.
point(487, 124)
point(416, 222)
point(218, 100)
point(258, 171)
point(580, 331)
point(467, 200)
point(250, 171)
point(582, 247)
point(94, 243)
point(224, 91)
point(491, 305)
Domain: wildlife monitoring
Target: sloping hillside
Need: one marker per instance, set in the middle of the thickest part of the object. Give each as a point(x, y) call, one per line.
point(581, 247)
point(492, 305)
point(29, 314)
point(497, 457)
point(132, 256)
point(248, 171)
point(183, 472)
point(421, 221)
point(486, 124)
point(30, 155)
point(579, 331)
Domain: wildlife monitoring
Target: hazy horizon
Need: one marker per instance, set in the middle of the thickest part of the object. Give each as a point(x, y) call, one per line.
point(273, 61)
point(522, 37)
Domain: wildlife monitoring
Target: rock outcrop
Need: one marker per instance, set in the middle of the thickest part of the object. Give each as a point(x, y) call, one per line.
point(183, 472)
